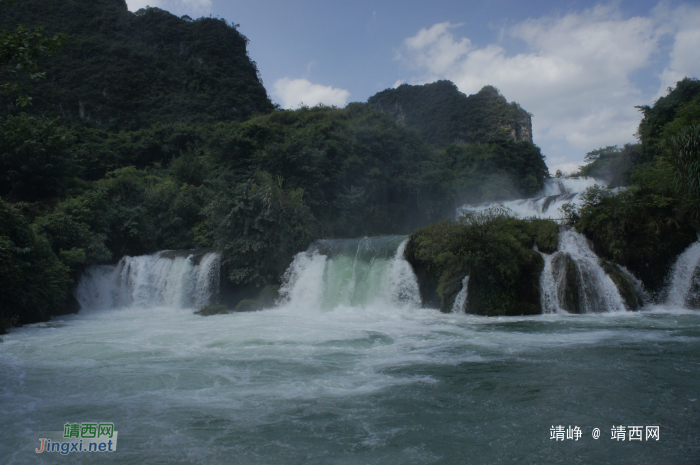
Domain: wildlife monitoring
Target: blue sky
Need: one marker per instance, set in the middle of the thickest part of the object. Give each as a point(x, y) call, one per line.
point(579, 67)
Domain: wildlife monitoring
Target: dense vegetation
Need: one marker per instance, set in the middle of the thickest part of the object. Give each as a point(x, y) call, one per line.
point(123, 71)
point(613, 164)
point(485, 143)
point(443, 115)
point(495, 250)
point(647, 225)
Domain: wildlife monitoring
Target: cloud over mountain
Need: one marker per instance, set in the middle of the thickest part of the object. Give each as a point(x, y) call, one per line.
point(575, 73)
point(294, 92)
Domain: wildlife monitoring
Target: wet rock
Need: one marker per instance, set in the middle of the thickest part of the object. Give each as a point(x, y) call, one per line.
point(213, 310)
point(625, 285)
point(693, 298)
point(571, 293)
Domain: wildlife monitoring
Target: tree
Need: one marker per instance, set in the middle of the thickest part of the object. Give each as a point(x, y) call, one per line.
point(685, 159)
point(259, 226)
point(36, 158)
point(19, 51)
point(611, 151)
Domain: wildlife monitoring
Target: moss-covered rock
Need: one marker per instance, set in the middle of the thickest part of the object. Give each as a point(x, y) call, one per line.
point(625, 284)
point(269, 295)
point(449, 285)
point(247, 305)
point(495, 250)
point(693, 299)
point(213, 310)
point(572, 292)
point(266, 298)
point(430, 251)
point(520, 296)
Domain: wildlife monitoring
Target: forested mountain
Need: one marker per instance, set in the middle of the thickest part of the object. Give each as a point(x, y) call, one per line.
point(443, 115)
point(124, 71)
point(154, 132)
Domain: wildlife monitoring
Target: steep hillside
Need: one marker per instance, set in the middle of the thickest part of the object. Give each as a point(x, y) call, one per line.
point(124, 71)
point(443, 115)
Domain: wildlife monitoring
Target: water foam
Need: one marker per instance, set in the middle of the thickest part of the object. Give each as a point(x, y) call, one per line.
point(597, 292)
point(460, 303)
point(180, 279)
point(556, 193)
point(684, 276)
point(351, 272)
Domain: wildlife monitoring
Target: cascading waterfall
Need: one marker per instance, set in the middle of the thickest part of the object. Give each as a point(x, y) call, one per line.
point(181, 279)
point(684, 284)
point(573, 280)
point(460, 303)
point(351, 272)
point(556, 193)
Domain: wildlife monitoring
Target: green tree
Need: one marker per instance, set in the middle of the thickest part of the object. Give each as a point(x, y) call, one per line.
point(259, 226)
point(611, 151)
point(33, 282)
point(684, 157)
point(36, 158)
point(19, 52)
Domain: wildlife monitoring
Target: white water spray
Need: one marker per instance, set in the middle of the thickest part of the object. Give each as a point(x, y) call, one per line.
point(180, 279)
point(351, 272)
point(460, 303)
point(596, 291)
point(556, 193)
point(684, 275)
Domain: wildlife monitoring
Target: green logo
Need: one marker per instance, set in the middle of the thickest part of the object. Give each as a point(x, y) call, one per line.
point(88, 430)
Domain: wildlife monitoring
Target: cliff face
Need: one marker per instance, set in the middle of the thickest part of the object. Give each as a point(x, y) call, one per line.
point(443, 115)
point(124, 71)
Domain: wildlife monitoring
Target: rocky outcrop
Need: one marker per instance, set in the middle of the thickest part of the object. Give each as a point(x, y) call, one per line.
point(443, 115)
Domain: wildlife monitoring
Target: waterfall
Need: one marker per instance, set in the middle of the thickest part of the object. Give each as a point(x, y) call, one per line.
point(573, 280)
point(556, 193)
point(683, 289)
point(183, 279)
point(351, 272)
point(460, 303)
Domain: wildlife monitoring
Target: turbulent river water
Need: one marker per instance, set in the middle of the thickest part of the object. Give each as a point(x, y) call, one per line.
point(348, 368)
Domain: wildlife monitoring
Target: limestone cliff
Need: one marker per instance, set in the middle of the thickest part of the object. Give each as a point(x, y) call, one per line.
point(443, 115)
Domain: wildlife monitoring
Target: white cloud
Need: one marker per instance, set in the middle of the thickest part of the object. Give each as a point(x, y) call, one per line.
point(179, 7)
point(294, 92)
point(575, 75)
point(684, 22)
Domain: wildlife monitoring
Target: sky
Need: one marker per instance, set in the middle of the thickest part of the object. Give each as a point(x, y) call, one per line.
point(579, 67)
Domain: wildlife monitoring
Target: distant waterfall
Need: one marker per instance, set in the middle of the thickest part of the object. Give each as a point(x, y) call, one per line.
point(573, 280)
point(556, 193)
point(684, 284)
point(183, 279)
point(351, 272)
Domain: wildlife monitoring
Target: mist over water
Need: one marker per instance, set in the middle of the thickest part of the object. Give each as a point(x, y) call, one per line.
point(347, 368)
point(556, 193)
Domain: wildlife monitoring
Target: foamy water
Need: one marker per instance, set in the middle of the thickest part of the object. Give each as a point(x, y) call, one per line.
point(370, 384)
point(556, 194)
